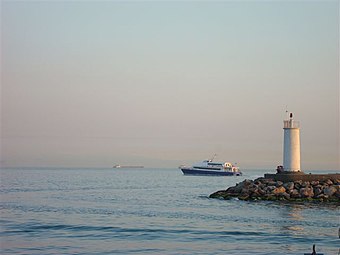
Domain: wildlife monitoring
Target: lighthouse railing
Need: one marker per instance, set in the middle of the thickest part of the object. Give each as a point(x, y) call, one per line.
point(291, 124)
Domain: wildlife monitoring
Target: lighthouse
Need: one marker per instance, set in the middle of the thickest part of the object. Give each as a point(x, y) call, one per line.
point(291, 145)
point(291, 170)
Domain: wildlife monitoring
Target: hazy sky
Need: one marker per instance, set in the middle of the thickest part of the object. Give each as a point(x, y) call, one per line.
point(163, 83)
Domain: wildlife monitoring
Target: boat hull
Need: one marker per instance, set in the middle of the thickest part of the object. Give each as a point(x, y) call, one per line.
point(190, 171)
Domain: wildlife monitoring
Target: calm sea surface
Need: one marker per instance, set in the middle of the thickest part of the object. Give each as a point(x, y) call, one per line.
point(151, 211)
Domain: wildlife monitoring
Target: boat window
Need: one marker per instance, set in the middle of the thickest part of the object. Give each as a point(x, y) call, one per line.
point(214, 164)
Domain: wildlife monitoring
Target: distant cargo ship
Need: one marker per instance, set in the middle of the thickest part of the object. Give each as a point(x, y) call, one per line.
point(120, 166)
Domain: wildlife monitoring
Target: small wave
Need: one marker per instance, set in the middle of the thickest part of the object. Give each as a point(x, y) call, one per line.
point(40, 228)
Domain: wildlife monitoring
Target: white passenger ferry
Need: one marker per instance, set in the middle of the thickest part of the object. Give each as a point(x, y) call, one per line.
point(208, 167)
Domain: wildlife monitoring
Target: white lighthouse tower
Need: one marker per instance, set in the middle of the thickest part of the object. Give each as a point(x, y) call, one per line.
point(291, 145)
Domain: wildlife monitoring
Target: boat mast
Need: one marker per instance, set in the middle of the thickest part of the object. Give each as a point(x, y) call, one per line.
point(213, 157)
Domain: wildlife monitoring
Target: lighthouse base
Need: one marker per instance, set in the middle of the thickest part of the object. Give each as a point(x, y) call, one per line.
point(296, 176)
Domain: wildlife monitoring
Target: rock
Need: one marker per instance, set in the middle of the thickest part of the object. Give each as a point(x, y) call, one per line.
point(258, 181)
point(279, 190)
point(322, 196)
point(305, 184)
point(271, 183)
point(314, 183)
point(329, 191)
point(253, 189)
point(306, 192)
point(319, 186)
point(261, 186)
point(238, 188)
point(231, 190)
point(247, 182)
point(297, 185)
point(337, 194)
point(279, 184)
point(245, 191)
point(285, 195)
point(218, 194)
point(270, 197)
point(269, 189)
point(294, 193)
point(261, 192)
point(317, 191)
point(289, 185)
point(298, 182)
point(327, 182)
point(242, 185)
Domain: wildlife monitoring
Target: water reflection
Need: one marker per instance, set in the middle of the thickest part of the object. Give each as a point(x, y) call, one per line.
point(293, 218)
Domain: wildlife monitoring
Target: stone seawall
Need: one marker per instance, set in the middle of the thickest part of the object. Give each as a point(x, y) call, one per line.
point(289, 177)
point(270, 189)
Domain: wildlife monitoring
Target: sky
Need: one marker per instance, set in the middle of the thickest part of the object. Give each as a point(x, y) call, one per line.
point(164, 83)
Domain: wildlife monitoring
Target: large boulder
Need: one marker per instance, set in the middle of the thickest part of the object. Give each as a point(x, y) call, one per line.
point(285, 195)
point(337, 194)
point(269, 190)
point(294, 193)
point(314, 183)
point(330, 191)
point(305, 184)
point(279, 190)
point(243, 185)
point(317, 190)
point(278, 183)
point(306, 192)
point(327, 182)
point(289, 185)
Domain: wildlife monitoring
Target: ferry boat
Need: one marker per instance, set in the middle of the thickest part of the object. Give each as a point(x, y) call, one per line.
point(208, 167)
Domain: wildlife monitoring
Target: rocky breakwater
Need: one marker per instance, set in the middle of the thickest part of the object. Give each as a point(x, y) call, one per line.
point(268, 189)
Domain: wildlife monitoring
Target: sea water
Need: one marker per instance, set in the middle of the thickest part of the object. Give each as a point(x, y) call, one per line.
point(151, 211)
